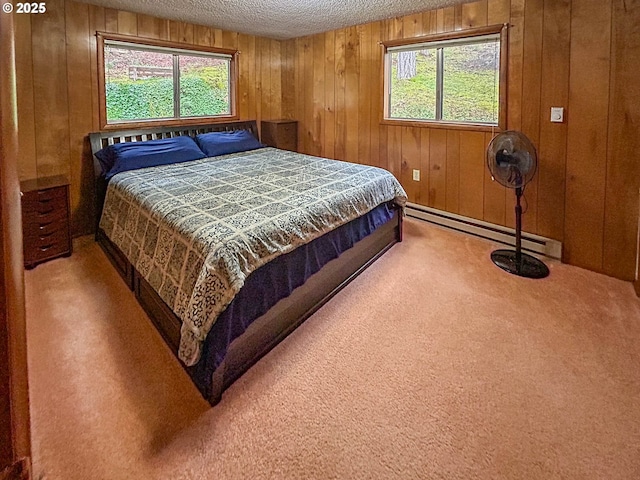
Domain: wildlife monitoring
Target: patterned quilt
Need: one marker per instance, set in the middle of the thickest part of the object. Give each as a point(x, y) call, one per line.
point(196, 230)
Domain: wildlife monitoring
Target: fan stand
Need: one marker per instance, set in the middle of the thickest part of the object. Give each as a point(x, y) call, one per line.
point(514, 261)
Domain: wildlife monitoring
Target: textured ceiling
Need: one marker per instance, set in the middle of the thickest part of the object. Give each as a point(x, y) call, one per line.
point(276, 18)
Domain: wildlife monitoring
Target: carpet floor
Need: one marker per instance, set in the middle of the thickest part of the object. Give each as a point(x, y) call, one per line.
point(432, 364)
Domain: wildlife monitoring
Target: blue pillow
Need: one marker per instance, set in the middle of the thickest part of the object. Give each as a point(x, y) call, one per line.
point(223, 143)
point(121, 157)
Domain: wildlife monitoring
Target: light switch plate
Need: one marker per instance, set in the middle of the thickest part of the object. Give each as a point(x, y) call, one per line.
point(557, 114)
point(416, 175)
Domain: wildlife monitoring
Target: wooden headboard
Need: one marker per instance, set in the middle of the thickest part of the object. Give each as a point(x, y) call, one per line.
point(99, 140)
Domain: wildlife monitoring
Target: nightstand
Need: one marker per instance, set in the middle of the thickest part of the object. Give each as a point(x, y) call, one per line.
point(45, 219)
point(280, 134)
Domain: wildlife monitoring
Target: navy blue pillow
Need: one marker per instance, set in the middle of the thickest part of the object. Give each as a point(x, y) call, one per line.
point(121, 157)
point(223, 143)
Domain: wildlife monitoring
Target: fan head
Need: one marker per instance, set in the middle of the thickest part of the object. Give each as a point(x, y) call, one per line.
point(512, 159)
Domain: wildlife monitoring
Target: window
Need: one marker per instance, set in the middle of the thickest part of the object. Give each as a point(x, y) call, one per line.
point(144, 82)
point(453, 78)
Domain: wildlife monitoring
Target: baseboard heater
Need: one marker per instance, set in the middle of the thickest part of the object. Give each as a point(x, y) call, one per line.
point(533, 243)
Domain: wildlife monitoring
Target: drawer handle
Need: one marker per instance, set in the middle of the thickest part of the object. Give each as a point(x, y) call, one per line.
point(43, 236)
point(42, 226)
point(43, 193)
point(44, 200)
point(46, 247)
point(46, 212)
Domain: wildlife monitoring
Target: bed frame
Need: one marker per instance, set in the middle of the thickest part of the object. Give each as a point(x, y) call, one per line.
point(272, 327)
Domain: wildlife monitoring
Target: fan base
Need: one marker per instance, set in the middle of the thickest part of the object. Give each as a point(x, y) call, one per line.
point(529, 267)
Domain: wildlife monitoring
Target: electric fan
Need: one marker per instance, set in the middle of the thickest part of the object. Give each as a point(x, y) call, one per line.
point(512, 161)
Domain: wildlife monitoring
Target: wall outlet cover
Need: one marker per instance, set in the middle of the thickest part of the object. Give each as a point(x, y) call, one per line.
point(557, 114)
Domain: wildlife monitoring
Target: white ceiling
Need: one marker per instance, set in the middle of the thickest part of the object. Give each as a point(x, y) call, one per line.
point(276, 18)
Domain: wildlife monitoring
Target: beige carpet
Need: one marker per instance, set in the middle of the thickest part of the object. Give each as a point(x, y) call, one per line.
point(432, 364)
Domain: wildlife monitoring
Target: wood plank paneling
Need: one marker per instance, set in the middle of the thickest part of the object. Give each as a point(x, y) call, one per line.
point(243, 81)
point(531, 83)
point(186, 32)
point(438, 169)
point(111, 20)
point(299, 88)
point(202, 35)
point(474, 14)
point(341, 82)
point(586, 139)
point(553, 136)
point(394, 150)
point(51, 110)
point(96, 24)
point(274, 64)
point(217, 37)
point(494, 194)
point(230, 40)
point(329, 150)
point(79, 87)
point(28, 166)
point(249, 59)
point(622, 202)
point(454, 176)
point(445, 20)
point(365, 76)
point(332, 85)
point(410, 160)
point(287, 80)
point(58, 59)
point(307, 94)
point(352, 70)
point(516, 35)
point(498, 11)
point(425, 150)
point(515, 95)
point(453, 160)
point(263, 75)
point(152, 27)
point(457, 15)
point(375, 107)
point(127, 23)
point(472, 173)
point(317, 130)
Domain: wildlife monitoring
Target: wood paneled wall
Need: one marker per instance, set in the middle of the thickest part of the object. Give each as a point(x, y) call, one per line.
point(573, 54)
point(58, 86)
point(577, 54)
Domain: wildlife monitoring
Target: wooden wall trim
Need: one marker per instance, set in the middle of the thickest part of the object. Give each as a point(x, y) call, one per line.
point(438, 37)
point(15, 439)
point(472, 127)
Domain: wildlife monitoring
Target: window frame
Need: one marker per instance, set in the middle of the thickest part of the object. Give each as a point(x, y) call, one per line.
point(460, 35)
point(103, 38)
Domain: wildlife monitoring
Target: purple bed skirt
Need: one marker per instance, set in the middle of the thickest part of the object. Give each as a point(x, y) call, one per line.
point(275, 281)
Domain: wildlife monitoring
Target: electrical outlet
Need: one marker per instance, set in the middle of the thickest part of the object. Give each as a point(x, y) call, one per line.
point(416, 175)
point(557, 114)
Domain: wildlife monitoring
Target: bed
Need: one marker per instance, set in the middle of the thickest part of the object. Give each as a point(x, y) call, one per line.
point(221, 313)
